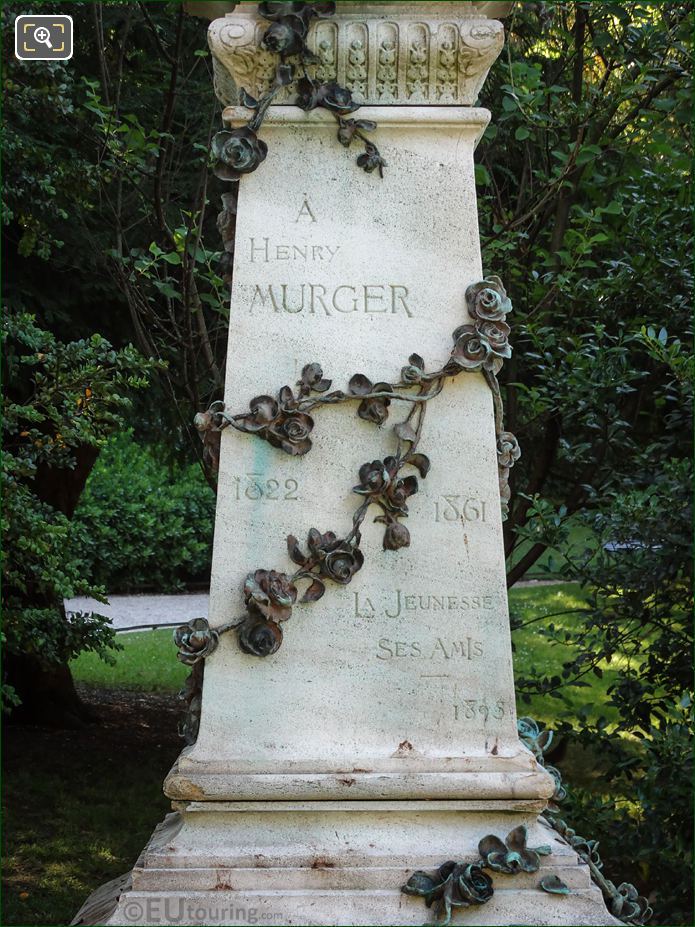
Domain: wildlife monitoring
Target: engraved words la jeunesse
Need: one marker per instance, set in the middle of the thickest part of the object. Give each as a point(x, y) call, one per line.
point(401, 602)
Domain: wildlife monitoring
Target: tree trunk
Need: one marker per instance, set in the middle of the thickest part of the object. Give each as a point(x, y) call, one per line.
point(47, 690)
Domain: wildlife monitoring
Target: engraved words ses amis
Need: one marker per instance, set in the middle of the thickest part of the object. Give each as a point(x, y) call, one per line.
point(466, 649)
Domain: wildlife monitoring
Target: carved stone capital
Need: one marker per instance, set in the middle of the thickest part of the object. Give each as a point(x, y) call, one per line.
point(435, 54)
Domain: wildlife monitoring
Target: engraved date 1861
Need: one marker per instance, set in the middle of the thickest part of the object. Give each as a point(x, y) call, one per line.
point(452, 507)
point(255, 488)
point(471, 708)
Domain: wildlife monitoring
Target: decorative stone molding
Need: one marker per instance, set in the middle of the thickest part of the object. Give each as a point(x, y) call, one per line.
point(401, 54)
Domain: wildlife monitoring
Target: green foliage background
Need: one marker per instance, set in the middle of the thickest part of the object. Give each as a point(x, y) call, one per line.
point(148, 524)
point(584, 197)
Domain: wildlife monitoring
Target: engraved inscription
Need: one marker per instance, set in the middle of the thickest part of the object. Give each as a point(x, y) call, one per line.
point(441, 649)
point(255, 488)
point(470, 709)
point(400, 602)
point(263, 251)
point(344, 299)
point(305, 213)
point(451, 508)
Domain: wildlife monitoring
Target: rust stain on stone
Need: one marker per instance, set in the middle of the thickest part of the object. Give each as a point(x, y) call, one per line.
point(321, 863)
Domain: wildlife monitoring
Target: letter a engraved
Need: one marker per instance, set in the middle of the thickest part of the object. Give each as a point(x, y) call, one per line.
point(305, 212)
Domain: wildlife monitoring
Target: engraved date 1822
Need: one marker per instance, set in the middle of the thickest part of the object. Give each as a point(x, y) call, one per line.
point(255, 488)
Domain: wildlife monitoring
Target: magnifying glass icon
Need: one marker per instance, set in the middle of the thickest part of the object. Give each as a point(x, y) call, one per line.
point(42, 35)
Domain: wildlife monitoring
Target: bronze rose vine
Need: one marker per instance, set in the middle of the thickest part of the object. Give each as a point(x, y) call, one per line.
point(286, 422)
point(463, 885)
point(239, 150)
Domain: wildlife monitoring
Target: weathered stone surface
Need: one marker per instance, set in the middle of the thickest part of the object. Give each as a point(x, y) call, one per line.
point(437, 53)
point(409, 667)
point(323, 863)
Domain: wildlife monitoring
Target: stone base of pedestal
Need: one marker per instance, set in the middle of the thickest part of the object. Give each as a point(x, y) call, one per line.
point(334, 863)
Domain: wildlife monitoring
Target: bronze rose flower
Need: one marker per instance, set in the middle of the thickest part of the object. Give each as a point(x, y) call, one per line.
point(264, 411)
point(291, 433)
point(473, 885)
point(488, 300)
point(628, 905)
point(285, 36)
point(414, 370)
point(342, 562)
point(259, 636)
point(395, 536)
point(496, 334)
point(470, 351)
point(336, 558)
point(399, 491)
point(312, 379)
point(319, 544)
point(374, 408)
point(330, 96)
point(279, 423)
point(370, 160)
point(379, 479)
point(195, 641)
point(508, 450)
point(289, 24)
point(376, 476)
point(453, 885)
point(270, 594)
point(238, 151)
point(337, 99)
point(513, 855)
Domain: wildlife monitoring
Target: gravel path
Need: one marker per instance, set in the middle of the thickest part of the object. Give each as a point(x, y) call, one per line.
point(127, 611)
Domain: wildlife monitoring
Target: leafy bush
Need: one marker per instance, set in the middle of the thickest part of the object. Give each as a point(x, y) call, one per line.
point(643, 822)
point(638, 621)
point(147, 525)
point(61, 401)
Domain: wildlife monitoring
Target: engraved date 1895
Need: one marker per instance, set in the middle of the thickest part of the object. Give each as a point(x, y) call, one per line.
point(255, 488)
point(471, 708)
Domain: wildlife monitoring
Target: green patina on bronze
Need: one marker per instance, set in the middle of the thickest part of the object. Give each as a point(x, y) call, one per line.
point(460, 885)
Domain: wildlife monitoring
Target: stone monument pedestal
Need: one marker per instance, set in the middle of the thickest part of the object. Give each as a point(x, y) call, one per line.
point(334, 863)
point(381, 738)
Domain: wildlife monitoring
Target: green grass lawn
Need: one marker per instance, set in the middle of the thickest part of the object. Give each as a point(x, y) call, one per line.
point(146, 662)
